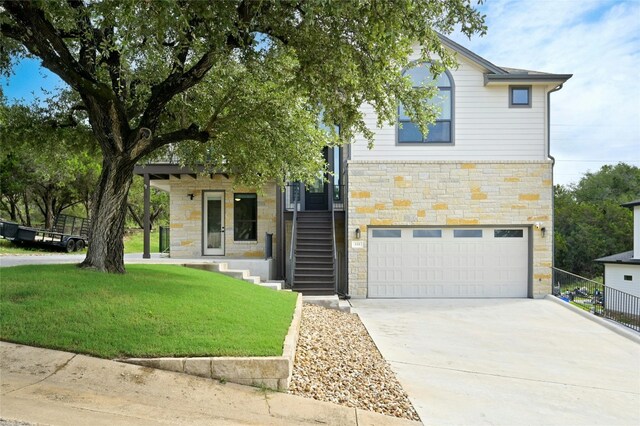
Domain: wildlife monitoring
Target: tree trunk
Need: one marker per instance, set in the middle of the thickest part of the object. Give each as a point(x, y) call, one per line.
point(27, 212)
point(109, 210)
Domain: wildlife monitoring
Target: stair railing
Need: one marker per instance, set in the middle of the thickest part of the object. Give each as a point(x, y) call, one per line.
point(292, 246)
point(335, 251)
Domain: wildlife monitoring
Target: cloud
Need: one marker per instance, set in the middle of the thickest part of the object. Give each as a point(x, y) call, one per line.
point(595, 118)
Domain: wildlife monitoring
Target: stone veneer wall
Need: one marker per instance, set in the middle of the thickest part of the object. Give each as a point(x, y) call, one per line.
point(186, 217)
point(447, 193)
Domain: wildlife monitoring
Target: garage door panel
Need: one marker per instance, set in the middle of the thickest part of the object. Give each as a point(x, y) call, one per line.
point(448, 262)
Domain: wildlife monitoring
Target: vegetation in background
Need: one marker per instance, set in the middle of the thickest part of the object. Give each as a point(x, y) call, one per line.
point(589, 221)
point(153, 311)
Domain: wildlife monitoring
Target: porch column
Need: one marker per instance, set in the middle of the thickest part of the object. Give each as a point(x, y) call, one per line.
point(147, 218)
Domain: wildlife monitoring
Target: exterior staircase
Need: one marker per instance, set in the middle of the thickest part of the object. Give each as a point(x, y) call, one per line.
point(314, 268)
point(241, 274)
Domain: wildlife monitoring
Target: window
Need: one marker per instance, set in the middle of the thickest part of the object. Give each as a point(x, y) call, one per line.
point(628, 278)
point(519, 96)
point(442, 130)
point(507, 233)
point(386, 233)
point(427, 233)
point(467, 233)
point(245, 217)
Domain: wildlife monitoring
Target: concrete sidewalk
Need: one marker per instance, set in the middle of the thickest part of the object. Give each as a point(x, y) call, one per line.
point(61, 388)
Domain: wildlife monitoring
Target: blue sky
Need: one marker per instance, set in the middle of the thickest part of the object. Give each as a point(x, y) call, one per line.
point(595, 118)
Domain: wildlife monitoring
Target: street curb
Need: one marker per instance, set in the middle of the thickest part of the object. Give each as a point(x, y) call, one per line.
point(273, 372)
point(619, 329)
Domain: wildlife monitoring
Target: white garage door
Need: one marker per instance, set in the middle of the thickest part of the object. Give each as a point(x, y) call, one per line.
point(448, 262)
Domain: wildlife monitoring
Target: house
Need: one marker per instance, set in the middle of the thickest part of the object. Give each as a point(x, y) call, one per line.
point(622, 271)
point(464, 212)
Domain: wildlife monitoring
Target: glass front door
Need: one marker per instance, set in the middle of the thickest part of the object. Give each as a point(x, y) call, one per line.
point(316, 194)
point(213, 226)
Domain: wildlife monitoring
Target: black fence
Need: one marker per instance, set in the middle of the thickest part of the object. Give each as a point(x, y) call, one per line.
point(597, 298)
point(164, 239)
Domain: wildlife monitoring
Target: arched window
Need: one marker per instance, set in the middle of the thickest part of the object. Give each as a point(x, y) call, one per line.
point(442, 130)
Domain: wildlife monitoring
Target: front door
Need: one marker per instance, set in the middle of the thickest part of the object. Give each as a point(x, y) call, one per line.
point(213, 223)
point(316, 195)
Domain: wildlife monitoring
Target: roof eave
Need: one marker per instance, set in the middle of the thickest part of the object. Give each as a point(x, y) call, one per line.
point(470, 55)
point(550, 79)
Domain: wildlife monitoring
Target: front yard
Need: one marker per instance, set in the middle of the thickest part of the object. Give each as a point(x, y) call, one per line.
point(151, 311)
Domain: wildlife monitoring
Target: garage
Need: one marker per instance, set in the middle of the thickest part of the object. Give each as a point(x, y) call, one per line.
point(448, 262)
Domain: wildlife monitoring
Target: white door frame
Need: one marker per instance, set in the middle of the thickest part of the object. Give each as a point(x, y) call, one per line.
point(213, 239)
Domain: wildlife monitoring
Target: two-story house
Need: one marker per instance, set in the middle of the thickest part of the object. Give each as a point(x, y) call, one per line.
point(463, 212)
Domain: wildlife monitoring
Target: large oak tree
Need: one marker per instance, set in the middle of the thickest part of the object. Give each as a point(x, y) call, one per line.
point(234, 84)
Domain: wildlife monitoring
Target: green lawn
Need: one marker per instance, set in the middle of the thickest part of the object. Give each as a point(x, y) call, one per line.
point(133, 241)
point(151, 311)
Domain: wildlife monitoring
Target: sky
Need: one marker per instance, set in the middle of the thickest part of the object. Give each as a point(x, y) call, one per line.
point(595, 118)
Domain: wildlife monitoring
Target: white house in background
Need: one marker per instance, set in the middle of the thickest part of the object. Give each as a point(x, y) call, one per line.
point(622, 270)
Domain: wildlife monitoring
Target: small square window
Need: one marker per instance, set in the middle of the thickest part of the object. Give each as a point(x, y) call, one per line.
point(519, 96)
point(628, 278)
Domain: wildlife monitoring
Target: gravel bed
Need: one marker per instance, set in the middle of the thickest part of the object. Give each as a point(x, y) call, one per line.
point(336, 361)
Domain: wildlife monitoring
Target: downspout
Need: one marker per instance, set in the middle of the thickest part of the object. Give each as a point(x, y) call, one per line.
point(553, 184)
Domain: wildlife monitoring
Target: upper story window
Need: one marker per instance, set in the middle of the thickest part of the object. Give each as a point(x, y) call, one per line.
point(519, 96)
point(442, 130)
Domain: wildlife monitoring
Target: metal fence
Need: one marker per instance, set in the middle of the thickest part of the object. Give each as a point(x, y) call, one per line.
point(597, 298)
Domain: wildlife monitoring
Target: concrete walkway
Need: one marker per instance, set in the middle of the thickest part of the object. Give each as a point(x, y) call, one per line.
point(57, 258)
point(52, 387)
point(506, 362)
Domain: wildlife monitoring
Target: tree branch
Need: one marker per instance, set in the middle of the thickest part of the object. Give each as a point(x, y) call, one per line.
point(192, 133)
point(39, 36)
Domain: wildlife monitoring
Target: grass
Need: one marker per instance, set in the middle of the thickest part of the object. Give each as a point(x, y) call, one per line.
point(151, 311)
point(133, 243)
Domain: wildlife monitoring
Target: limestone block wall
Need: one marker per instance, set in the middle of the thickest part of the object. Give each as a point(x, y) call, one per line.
point(186, 216)
point(448, 193)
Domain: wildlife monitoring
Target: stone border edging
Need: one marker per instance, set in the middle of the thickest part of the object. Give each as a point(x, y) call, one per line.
point(619, 329)
point(270, 371)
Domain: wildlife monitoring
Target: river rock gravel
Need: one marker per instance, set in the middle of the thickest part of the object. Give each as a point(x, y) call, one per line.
point(336, 361)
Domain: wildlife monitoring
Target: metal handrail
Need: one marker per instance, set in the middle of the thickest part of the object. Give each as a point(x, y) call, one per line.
point(577, 276)
point(292, 260)
point(335, 251)
point(597, 298)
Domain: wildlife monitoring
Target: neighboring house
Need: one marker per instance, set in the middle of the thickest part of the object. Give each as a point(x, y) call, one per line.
point(622, 270)
point(466, 212)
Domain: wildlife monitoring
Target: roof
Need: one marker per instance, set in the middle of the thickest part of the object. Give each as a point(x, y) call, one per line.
point(631, 204)
point(496, 74)
point(624, 258)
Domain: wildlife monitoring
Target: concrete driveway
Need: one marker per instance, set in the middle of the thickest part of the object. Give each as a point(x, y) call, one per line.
point(506, 362)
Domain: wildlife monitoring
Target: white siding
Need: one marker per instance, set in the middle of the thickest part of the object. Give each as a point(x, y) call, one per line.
point(614, 278)
point(485, 128)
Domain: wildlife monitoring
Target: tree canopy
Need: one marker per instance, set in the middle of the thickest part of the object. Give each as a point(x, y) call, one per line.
point(236, 85)
point(589, 221)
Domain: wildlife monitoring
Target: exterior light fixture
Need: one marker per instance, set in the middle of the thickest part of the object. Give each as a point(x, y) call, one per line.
point(190, 196)
point(358, 233)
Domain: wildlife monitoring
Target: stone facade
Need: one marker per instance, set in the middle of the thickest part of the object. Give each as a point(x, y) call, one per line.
point(448, 193)
point(186, 216)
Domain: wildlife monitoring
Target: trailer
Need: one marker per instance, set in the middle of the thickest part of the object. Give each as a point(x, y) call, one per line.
point(69, 233)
